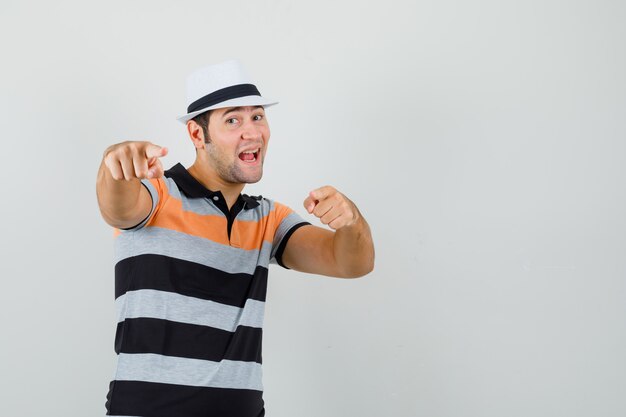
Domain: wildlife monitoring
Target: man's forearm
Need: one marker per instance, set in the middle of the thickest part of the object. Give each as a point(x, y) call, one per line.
point(354, 249)
point(117, 198)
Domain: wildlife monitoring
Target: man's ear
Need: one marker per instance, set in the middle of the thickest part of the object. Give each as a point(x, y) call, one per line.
point(196, 134)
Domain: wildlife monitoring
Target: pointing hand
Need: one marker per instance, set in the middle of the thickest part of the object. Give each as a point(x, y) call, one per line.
point(130, 160)
point(331, 207)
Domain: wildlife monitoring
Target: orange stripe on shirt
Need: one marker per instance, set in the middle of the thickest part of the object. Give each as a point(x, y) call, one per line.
point(248, 235)
point(209, 226)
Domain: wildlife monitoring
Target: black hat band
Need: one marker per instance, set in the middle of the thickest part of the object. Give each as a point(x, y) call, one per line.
point(218, 96)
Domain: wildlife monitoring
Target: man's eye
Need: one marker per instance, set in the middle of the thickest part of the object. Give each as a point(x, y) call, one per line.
point(258, 117)
point(231, 121)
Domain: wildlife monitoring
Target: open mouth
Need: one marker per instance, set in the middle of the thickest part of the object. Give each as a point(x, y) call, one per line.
point(250, 156)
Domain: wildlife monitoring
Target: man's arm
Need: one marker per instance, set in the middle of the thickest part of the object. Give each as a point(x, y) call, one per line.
point(346, 253)
point(123, 201)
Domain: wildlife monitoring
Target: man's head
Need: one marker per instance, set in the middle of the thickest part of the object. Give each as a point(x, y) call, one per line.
point(226, 122)
point(232, 143)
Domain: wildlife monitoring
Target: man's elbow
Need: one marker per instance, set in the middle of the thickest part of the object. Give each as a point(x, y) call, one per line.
point(360, 271)
point(119, 220)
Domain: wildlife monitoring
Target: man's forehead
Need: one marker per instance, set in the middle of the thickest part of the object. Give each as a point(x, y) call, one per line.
point(227, 110)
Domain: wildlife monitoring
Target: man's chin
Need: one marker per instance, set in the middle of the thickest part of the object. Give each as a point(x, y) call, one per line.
point(248, 178)
point(253, 181)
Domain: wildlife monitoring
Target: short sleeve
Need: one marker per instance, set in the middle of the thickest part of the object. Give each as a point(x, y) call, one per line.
point(156, 189)
point(288, 221)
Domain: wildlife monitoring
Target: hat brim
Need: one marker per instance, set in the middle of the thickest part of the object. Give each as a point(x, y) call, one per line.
point(235, 102)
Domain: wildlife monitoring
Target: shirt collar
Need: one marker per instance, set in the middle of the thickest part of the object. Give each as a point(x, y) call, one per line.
point(192, 187)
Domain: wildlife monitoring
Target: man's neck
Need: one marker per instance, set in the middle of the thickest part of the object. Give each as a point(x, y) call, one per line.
point(206, 176)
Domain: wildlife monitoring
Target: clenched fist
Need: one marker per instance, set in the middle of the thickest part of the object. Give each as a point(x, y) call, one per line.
point(130, 160)
point(331, 207)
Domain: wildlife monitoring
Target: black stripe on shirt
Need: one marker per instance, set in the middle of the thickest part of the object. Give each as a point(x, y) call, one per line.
point(170, 338)
point(158, 272)
point(150, 399)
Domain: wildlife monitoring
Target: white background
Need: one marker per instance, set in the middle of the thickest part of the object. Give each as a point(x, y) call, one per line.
point(484, 141)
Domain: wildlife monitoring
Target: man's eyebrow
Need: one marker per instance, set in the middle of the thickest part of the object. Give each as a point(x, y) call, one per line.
point(234, 109)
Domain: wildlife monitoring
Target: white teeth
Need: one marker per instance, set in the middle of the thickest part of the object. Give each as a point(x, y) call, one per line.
point(252, 152)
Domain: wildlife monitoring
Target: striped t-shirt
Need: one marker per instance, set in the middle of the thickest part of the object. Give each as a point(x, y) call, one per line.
point(190, 286)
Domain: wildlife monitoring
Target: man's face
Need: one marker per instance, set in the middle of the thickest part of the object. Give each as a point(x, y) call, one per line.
point(238, 143)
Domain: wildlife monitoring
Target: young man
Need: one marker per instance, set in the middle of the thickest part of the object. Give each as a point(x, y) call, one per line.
point(192, 256)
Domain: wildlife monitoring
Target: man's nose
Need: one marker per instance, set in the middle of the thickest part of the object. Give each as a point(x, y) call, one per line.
point(251, 132)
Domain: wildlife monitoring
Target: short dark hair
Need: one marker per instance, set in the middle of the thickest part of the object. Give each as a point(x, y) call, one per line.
point(203, 120)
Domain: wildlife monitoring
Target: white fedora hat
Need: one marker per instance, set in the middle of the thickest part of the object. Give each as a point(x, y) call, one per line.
point(226, 84)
